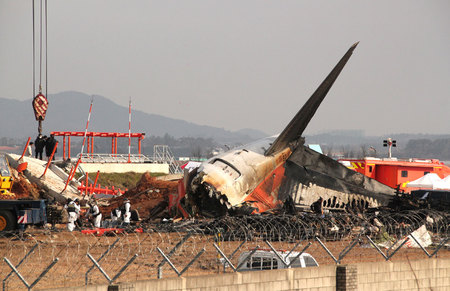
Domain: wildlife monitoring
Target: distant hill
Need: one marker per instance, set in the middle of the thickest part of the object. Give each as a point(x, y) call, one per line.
point(357, 137)
point(355, 144)
point(68, 111)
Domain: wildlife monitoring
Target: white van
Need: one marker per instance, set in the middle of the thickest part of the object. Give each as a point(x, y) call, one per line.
point(268, 260)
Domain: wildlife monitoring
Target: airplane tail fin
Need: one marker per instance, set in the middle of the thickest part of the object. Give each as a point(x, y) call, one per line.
point(295, 128)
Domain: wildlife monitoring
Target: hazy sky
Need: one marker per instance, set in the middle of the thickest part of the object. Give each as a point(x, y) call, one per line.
point(244, 64)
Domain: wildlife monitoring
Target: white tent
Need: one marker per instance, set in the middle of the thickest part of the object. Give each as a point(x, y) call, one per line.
point(444, 184)
point(429, 181)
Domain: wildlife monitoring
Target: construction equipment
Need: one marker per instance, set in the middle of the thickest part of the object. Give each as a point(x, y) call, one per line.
point(6, 179)
point(16, 214)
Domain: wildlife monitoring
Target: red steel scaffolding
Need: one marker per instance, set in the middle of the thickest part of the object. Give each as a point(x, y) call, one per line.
point(90, 139)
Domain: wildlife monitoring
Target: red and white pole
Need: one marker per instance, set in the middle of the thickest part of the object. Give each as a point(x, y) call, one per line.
point(129, 132)
point(82, 148)
point(87, 125)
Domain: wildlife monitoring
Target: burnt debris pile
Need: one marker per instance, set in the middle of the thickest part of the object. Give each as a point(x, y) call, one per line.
point(148, 195)
point(306, 226)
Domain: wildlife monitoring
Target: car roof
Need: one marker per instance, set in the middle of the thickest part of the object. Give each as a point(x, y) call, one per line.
point(282, 253)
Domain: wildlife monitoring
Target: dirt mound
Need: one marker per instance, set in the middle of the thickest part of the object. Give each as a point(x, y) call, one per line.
point(148, 193)
point(22, 188)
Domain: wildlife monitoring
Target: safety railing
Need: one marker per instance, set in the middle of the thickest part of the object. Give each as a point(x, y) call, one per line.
point(115, 158)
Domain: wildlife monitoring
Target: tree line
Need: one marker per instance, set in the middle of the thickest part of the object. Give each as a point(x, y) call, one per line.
point(414, 148)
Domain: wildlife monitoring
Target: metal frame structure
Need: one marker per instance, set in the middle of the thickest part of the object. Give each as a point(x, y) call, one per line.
point(163, 154)
point(90, 141)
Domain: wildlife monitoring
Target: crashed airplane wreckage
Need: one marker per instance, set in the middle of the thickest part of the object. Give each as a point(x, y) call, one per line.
point(274, 172)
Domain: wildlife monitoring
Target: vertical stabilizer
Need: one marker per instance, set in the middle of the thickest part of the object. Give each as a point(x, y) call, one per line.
point(295, 128)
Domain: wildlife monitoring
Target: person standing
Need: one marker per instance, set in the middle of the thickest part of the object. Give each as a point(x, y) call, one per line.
point(72, 215)
point(50, 144)
point(115, 215)
point(39, 144)
point(77, 211)
point(29, 149)
point(95, 214)
point(127, 213)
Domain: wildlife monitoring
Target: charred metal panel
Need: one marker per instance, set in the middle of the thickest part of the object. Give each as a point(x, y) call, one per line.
point(265, 196)
point(307, 169)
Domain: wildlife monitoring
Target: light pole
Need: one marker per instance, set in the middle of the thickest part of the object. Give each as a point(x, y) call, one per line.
point(389, 143)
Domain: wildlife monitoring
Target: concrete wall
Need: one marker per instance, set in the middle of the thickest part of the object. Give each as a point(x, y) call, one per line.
point(125, 167)
point(323, 279)
point(426, 274)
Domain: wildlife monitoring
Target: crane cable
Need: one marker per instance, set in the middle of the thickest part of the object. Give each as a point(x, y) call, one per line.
point(34, 53)
point(46, 63)
point(40, 103)
point(40, 48)
point(42, 16)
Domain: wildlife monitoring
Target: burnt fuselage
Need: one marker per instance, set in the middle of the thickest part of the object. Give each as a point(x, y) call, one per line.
point(231, 178)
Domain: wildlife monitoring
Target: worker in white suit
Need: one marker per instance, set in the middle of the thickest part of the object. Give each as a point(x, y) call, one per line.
point(95, 214)
point(115, 214)
point(72, 215)
point(127, 212)
point(78, 212)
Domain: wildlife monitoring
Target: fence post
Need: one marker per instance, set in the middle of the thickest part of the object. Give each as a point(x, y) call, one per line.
point(296, 257)
point(185, 268)
point(174, 249)
point(110, 281)
point(277, 254)
point(99, 267)
point(44, 272)
point(233, 253)
point(101, 258)
point(325, 248)
point(343, 253)
point(440, 246)
point(242, 263)
point(381, 252)
point(18, 265)
point(192, 261)
point(38, 278)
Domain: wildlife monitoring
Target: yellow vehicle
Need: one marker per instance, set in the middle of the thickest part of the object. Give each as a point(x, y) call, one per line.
point(6, 179)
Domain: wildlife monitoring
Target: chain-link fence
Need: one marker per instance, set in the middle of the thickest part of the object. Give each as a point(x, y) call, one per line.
point(50, 258)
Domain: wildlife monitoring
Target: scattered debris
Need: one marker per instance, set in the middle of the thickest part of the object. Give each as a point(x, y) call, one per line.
point(421, 235)
point(150, 192)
